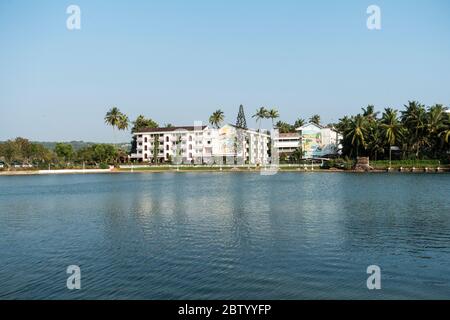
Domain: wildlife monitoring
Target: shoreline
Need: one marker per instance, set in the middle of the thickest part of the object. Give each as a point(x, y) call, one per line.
point(211, 170)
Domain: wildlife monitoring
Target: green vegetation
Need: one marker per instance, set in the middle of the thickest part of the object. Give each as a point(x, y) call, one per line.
point(285, 127)
point(139, 124)
point(261, 113)
point(217, 118)
point(240, 121)
point(20, 150)
point(315, 119)
point(64, 151)
point(273, 114)
point(116, 119)
point(417, 133)
point(21, 153)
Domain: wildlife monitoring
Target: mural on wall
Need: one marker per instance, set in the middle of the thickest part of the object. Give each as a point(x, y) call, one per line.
point(226, 140)
point(312, 142)
point(318, 142)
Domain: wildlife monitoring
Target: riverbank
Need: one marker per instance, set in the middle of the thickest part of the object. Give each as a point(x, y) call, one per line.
point(61, 171)
point(181, 169)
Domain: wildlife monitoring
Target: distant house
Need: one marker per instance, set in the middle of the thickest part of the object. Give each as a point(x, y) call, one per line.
point(318, 141)
point(2, 164)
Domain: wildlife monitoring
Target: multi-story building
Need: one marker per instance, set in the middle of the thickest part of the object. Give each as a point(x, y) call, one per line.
point(317, 141)
point(287, 143)
point(314, 140)
point(202, 145)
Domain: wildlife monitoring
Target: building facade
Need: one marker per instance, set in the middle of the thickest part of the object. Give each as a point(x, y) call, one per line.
point(202, 145)
point(317, 141)
point(287, 143)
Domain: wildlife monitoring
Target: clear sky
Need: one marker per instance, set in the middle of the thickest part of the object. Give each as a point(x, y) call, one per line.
point(178, 61)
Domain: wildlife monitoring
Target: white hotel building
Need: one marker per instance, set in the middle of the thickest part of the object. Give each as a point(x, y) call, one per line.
point(202, 145)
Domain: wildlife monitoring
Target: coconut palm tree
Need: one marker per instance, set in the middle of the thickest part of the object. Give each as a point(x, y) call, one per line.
point(112, 117)
point(444, 133)
point(260, 114)
point(414, 119)
point(370, 113)
point(273, 114)
point(315, 119)
point(123, 122)
point(357, 132)
point(284, 127)
point(392, 129)
point(375, 143)
point(436, 117)
point(216, 118)
point(299, 123)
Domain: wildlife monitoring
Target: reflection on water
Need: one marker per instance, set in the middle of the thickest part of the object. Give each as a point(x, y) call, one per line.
point(222, 235)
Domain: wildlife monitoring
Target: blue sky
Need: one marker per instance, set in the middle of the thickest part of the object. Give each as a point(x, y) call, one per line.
point(178, 61)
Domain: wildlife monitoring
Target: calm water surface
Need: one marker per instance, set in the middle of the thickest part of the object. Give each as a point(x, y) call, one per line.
point(225, 236)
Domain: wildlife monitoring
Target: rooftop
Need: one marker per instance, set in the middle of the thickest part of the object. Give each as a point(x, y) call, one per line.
point(170, 129)
point(289, 135)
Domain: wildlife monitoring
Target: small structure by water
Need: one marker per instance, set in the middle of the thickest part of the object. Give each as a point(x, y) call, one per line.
point(362, 164)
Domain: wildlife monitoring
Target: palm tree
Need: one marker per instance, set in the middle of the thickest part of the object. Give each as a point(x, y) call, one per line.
point(273, 114)
point(435, 124)
point(375, 143)
point(216, 118)
point(113, 118)
point(299, 123)
point(414, 119)
point(123, 122)
point(260, 114)
point(315, 119)
point(370, 113)
point(445, 134)
point(392, 129)
point(284, 127)
point(445, 129)
point(357, 132)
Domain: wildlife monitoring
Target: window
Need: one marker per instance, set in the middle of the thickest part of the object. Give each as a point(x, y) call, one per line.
point(167, 139)
point(145, 140)
point(167, 147)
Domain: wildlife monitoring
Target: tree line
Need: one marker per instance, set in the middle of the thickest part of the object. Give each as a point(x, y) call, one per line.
point(21, 151)
point(416, 132)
